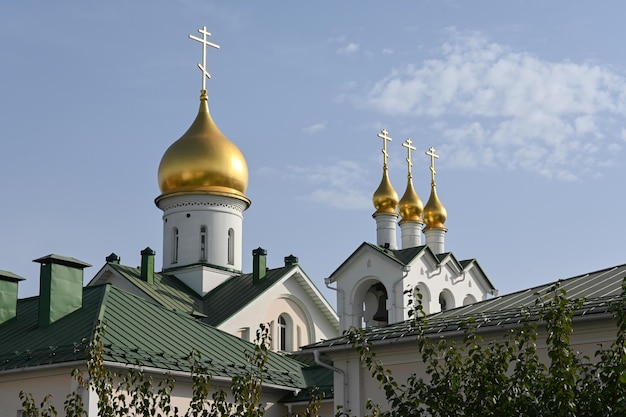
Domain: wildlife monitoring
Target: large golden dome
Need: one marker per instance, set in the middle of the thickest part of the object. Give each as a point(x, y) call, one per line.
point(385, 198)
point(203, 160)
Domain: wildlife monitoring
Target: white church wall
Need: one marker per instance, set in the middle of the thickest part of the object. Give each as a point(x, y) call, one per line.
point(56, 381)
point(289, 298)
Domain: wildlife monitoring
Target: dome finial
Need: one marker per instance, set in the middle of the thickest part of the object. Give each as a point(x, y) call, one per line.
point(431, 152)
point(384, 135)
point(385, 198)
point(410, 205)
point(205, 43)
point(435, 213)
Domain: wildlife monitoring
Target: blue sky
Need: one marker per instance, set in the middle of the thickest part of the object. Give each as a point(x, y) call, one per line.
point(524, 101)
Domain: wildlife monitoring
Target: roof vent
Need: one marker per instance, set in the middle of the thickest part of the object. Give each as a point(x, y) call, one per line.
point(8, 295)
point(60, 287)
point(259, 264)
point(147, 265)
point(291, 260)
point(113, 259)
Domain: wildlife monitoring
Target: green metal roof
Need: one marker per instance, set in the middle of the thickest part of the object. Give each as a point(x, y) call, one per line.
point(10, 276)
point(237, 292)
point(598, 289)
point(319, 380)
point(138, 332)
point(62, 260)
point(218, 305)
point(167, 290)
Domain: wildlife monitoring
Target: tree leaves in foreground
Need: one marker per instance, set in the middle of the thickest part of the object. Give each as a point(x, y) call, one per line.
point(473, 377)
point(132, 392)
point(504, 376)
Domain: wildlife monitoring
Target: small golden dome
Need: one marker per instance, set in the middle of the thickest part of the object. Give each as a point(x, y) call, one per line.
point(385, 198)
point(410, 205)
point(203, 160)
point(435, 213)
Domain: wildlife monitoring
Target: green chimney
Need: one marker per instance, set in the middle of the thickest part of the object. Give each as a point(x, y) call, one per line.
point(60, 287)
point(8, 295)
point(147, 265)
point(259, 264)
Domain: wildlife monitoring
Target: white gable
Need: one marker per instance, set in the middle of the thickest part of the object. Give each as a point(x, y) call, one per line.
point(374, 286)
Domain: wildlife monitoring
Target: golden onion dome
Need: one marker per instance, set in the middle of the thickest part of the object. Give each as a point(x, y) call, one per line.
point(385, 198)
point(203, 160)
point(410, 205)
point(435, 213)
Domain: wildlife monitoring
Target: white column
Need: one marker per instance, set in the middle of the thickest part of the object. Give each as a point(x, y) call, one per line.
point(435, 239)
point(386, 230)
point(411, 234)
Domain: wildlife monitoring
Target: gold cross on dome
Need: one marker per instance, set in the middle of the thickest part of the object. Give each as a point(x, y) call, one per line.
point(385, 137)
point(433, 156)
point(204, 42)
point(408, 145)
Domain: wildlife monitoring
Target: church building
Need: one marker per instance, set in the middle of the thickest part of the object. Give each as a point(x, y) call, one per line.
point(207, 297)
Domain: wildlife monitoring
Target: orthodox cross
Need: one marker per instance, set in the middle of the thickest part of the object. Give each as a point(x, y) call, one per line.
point(407, 144)
point(204, 42)
point(433, 156)
point(385, 137)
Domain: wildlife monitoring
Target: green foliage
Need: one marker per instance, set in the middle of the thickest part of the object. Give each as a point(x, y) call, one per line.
point(134, 392)
point(505, 376)
point(473, 377)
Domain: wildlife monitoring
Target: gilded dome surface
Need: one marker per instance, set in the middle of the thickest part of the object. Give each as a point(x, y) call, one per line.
point(385, 198)
point(410, 205)
point(204, 160)
point(435, 213)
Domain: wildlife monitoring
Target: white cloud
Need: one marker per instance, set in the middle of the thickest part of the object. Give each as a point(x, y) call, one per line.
point(350, 48)
point(340, 185)
point(510, 109)
point(315, 128)
point(387, 51)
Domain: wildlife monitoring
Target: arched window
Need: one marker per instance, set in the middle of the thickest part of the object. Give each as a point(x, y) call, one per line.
point(446, 300)
point(174, 245)
point(203, 243)
point(231, 247)
point(443, 303)
point(285, 333)
point(422, 290)
point(469, 299)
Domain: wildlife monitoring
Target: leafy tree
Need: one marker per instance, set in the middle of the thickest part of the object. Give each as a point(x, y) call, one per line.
point(505, 376)
point(472, 377)
point(133, 392)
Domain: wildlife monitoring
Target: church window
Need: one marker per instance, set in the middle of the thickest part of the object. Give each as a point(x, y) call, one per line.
point(442, 302)
point(174, 245)
point(203, 243)
point(446, 300)
point(231, 246)
point(285, 342)
point(469, 299)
